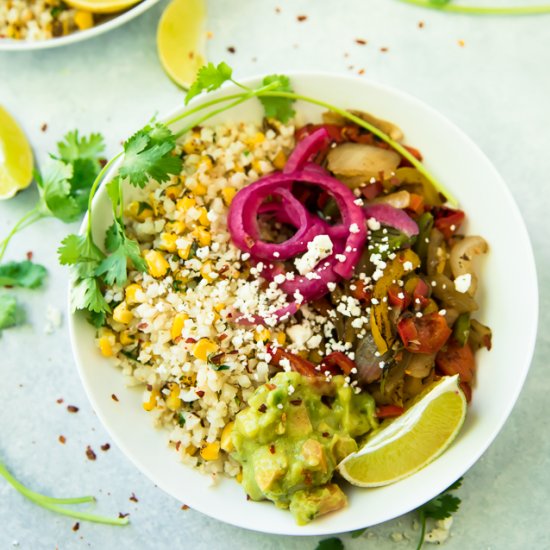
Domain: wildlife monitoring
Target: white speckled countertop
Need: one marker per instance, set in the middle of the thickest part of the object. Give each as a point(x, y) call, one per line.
point(496, 87)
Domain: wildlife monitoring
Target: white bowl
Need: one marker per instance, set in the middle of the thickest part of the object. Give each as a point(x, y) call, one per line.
point(491, 212)
point(112, 23)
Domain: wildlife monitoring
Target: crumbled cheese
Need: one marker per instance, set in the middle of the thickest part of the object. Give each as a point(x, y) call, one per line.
point(318, 249)
point(440, 533)
point(463, 283)
point(407, 266)
point(373, 224)
point(354, 228)
point(299, 334)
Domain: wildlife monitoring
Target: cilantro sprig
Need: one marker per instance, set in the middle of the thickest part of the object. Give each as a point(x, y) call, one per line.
point(447, 6)
point(148, 154)
point(58, 504)
point(440, 507)
point(65, 182)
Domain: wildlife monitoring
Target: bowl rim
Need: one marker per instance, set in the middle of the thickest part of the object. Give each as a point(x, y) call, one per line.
point(529, 270)
point(9, 45)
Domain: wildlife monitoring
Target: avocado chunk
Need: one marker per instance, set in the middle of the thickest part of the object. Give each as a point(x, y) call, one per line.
point(291, 437)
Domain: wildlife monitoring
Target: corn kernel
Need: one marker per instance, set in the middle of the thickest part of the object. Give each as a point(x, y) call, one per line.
point(200, 190)
point(177, 325)
point(173, 401)
point(207, 272)
point(203, 236)
point(104, 343)
point(263, 335)
point(168, 242)
point(258, 138)
point(227, 194)
point(211, 451)
point(206, 161)
point(152, 403)
point(156, 263)
point(121, 314)
point(225, 440)
point(130, 293)
point(256, 166)
point(173, 191)
point(203, 348)
point(185, 203)
point(184, 252)
point(219, 307)
point(126, 338)
point(191, 450)
point(177, 227)
point(280, 160)
point(140, 211)
point(281, 338)
point(203, 218)
point(83, 20)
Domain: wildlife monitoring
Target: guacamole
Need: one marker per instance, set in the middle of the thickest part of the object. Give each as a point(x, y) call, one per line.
point(292, 436)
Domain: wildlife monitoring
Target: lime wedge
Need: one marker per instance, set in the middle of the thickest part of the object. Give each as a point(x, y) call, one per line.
point(411, 441)
point(101, 6)
point(16, 160)
point(181, 40)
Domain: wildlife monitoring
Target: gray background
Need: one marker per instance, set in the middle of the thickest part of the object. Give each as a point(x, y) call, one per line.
point(496, 87)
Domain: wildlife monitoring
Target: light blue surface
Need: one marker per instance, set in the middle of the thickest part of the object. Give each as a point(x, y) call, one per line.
point(496, 87)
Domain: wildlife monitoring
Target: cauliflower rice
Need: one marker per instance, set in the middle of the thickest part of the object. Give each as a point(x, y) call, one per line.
point(42, 19)
point(168, 323)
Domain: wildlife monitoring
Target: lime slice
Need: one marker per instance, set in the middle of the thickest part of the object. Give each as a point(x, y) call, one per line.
point(181, 40)
point(411, 441)
point(101, 6)
point(16, 161)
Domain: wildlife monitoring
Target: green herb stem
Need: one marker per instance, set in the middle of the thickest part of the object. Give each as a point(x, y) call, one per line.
point(29, 218)
point(480, 10)
point(52, 504)
point(94, 187)
point(422, 517)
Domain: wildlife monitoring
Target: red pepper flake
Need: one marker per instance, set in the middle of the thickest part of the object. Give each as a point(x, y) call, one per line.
point(461, 43)
point(114, 397)
point(44, 127)
point(62, 439)
point(141, 326)
point(277, 9)
point(133, 498)
point(271, 386)
point(122, 516)
point(72, 409)
point(184, 507)
point(178, 445)
point(222, 337)
point(149, 387)
point(272, 449)
point(360, 41)
point(421, 24)
point(76, 526)
point(361, 71)
point(248, 497)
point(262, 408)
point(384, 49)
point(325, 434)
point(190, 341)
point(231, 49)
point(200, 393)
point(301, 18)
point(90, 453)
point(105, 447)
point(59, 401)
point(296, 402)
point(29, 255)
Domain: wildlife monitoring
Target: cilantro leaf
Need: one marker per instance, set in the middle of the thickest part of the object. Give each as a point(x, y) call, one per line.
point(357, 533)
point(148, 154)
point(209, 78)
point(333, 543)
point(74, 148)
point(97, 319)
point(278, 107)
point(441, 507)
point(8, 311)
point(86, 294)
point(24, 274)
point(114, 267)
point(75, 248)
